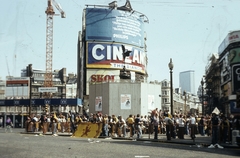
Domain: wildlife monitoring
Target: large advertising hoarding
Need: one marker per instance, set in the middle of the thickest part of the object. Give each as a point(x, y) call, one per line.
point(114, 25)
point(110, 56)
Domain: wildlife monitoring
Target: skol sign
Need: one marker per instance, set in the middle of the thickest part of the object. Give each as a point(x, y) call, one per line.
point(102, 78)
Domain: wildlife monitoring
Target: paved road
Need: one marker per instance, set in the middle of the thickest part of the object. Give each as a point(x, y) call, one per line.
point(14, 145)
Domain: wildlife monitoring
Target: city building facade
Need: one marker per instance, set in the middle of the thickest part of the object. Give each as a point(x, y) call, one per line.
point(222, 76)
point(23, 95)
point(185, 103)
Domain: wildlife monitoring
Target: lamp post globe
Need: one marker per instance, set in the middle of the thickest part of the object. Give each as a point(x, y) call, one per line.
point(170, 65)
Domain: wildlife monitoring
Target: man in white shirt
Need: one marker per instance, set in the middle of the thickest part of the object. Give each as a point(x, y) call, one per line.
point(193, 126)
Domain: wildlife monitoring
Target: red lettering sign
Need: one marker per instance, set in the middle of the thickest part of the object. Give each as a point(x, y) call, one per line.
point(102, 78)
point(233, 37)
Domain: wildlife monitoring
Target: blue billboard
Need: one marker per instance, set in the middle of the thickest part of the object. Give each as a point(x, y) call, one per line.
point(36, 102)
point(112, 25)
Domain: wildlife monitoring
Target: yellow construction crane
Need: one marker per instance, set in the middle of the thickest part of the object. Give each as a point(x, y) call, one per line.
point(49, 40)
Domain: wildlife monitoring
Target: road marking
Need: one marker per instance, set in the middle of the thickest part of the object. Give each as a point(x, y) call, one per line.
point(142, 156)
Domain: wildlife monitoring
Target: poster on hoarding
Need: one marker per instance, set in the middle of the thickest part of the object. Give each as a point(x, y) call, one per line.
point(125, 101)
point(151, 105)
point(98, 103)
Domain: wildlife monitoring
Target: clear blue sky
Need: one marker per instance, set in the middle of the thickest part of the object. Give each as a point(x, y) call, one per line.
point(188, 31)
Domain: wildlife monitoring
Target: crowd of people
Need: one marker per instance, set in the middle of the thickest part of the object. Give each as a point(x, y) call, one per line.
point(218, 126)
point(155, 122)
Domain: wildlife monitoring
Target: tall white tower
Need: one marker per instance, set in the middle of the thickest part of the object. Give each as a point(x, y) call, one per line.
point(187, 81)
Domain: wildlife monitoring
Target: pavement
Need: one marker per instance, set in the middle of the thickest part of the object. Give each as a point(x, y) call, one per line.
point(199, 141)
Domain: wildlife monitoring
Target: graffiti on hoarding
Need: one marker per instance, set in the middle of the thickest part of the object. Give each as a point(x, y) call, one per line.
point(109, 55)
point(102, 78)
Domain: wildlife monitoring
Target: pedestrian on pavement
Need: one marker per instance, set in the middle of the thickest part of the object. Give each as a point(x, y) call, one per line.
point(130, 123)
point(187, 119)
point(9, 125)
point(215, 121)
point(193, 126)
point(181, 125)
point(155, 124)
point(54, 121)
point(1, 122)
point(201, 126)
point(137, 126)
point(43, 122)
point(168, 123)
point(105, 126)
point(225, 128)
point(121, 124)
point(231, 125)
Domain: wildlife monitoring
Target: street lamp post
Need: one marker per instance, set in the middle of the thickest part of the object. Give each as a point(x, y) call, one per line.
point(30, 74)
point(185, 102)
point(202, 82)
point(170, 65)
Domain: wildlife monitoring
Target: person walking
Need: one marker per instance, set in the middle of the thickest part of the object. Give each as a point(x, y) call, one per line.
point(201, 126)
point(121, 127)
point(181, 125)
point(9, 125)
point(1, 122)
point(215, 121)
point(54, 121)
point(193, 126)
point(155, 124)
point(169, 124)
point(137, 126)
point(130, 123)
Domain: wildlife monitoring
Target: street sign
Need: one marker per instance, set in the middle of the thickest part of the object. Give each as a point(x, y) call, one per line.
point(48, 89)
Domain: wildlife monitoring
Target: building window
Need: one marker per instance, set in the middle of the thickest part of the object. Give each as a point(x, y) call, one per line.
point(164, 92)
point(165, 100)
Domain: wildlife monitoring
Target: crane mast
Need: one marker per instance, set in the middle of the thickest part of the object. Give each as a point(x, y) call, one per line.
point(48, 81)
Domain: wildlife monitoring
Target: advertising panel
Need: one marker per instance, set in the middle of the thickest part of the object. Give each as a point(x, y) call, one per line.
point(98, 103)
point(225, 69)
point(236, 77)
point(114, 25)
point(234, 56)
point(232, 37)
point(125, 101)
point(110, 56)
point(99, 75)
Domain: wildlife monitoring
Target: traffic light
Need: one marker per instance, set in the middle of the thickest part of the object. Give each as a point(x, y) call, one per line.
point(126, 53)
point(46, 108)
